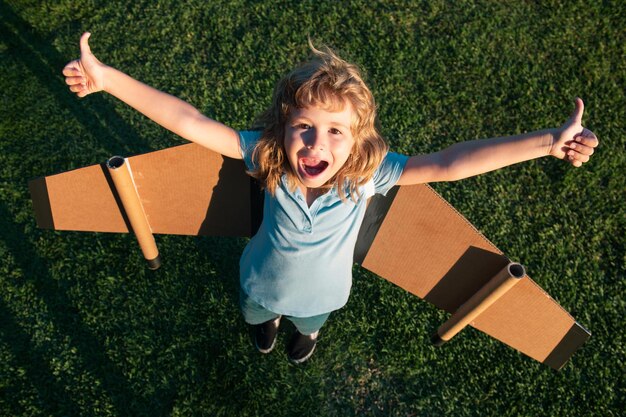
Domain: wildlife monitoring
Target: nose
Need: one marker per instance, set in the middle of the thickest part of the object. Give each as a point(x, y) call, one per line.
point(315, 140)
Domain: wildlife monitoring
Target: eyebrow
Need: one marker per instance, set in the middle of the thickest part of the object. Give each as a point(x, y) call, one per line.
point(340, 124)
point(306, 119)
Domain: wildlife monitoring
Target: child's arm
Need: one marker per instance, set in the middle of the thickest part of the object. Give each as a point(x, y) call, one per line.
point(571, 142)
point(88, 75)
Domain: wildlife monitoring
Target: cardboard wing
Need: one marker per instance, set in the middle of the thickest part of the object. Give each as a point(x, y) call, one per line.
point(412, 237)
point(417, 240)
point(184, 190)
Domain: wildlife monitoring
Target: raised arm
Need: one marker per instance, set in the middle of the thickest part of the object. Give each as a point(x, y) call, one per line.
point(570, 142)
point(88, 75)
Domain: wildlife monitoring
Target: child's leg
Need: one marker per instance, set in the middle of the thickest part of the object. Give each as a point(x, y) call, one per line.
point(265, 323)
point(303, 342)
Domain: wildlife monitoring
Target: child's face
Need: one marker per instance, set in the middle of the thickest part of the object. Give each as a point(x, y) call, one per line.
point(318, 143)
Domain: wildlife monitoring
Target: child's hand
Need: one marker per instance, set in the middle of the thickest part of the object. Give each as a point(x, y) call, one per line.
point(572, 142)
point(85, 75)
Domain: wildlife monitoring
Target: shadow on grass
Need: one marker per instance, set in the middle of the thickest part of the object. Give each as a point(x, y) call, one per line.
point(67, 322)
point(53, 399)
point(33, 51)
point(45, 63)
point(41, 59)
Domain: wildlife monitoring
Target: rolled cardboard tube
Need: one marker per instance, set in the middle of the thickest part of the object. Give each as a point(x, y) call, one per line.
point(125, 186)
point(479, 302)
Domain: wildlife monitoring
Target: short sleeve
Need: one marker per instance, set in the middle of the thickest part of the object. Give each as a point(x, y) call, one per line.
point(247, 142)
point(389, 172)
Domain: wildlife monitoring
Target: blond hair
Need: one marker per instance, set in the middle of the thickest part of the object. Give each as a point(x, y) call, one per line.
point(328, 82)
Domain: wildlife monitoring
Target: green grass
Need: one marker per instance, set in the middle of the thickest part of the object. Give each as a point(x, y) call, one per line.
point(86, 329)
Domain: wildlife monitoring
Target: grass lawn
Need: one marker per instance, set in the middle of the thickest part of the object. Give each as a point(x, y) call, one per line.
point(86, 329)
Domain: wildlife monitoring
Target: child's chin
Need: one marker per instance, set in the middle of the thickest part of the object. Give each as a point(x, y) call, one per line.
point(312, 182)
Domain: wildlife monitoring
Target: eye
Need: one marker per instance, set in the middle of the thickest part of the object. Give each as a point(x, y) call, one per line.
point(303, 126)
point(335, 131)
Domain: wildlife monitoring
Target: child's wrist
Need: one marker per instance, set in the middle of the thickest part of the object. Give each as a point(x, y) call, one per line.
point(106, 76)
point(550, 139)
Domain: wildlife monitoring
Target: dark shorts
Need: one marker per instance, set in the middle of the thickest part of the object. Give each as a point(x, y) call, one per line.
point(255, 313)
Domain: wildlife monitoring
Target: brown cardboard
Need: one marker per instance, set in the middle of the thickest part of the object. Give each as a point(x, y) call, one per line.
point(423, 236)
point(528, 319)
point(415, 238)
point(185, 190)
point(189, 190)
point(83, 199)
point(426, 247)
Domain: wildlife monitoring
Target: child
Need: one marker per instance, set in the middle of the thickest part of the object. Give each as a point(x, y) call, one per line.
point(319, 156)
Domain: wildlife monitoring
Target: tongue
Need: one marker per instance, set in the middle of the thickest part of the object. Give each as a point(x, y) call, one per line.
point(315, 169)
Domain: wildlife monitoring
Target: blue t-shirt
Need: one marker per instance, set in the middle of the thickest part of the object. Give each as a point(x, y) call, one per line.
point(299, 263)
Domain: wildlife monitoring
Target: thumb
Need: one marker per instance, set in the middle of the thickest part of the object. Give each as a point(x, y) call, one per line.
point(577, 114)
point(84, 44)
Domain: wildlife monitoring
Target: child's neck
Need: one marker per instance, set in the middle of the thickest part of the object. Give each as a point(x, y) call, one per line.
point(311, 194)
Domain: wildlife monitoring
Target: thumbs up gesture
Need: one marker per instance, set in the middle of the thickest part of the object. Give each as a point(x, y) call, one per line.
point(86, 74)
point(573, 142)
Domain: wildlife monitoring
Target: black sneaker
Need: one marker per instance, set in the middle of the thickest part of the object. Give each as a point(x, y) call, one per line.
point(265, 335)
point(301, 347)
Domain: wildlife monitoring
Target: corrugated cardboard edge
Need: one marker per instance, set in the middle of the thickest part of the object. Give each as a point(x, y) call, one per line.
point(495, 248)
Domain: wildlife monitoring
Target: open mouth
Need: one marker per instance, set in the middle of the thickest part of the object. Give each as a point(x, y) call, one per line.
point(313, 167)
